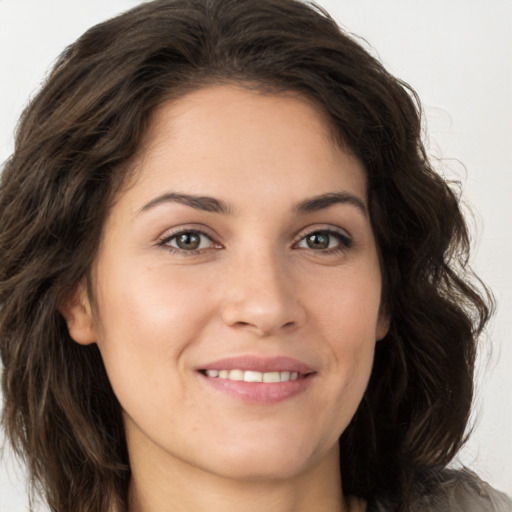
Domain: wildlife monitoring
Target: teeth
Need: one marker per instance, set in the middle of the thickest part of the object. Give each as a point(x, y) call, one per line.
point(236, 375)
point(272, 377)
point(252, 376)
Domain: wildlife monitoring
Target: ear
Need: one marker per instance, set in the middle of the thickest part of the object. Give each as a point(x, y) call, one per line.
point(383, 323)
point(77, 312)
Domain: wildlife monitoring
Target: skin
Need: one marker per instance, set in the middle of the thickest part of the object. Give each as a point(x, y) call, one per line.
point(253, 287)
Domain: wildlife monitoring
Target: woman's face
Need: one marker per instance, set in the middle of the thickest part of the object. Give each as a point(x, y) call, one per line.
point(242, 250)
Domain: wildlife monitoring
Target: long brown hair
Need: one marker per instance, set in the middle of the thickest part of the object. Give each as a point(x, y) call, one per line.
point(73, 146)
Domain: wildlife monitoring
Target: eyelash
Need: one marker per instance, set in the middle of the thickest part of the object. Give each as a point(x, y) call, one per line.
point(195, 231)
point(345, 242)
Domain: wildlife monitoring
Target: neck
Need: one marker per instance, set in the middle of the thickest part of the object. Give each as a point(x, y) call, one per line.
point(181, 488)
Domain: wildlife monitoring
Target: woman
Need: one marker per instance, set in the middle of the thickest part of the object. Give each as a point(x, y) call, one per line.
point(230, 276)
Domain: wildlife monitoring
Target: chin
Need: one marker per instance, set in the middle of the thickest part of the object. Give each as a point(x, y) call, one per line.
point(267, 461)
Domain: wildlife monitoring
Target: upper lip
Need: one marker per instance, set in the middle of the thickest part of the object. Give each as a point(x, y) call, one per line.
point(259, 364)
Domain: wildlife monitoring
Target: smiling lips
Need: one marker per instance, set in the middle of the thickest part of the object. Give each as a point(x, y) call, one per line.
point(253, 376)
point(259, 380)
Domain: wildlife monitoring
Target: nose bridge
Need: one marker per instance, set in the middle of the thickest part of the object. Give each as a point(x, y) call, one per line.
point(260, 293)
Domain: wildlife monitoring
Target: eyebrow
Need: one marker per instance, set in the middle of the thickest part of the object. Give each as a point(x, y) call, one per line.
point(204, 203)
point(213, 205)
point(320, 202)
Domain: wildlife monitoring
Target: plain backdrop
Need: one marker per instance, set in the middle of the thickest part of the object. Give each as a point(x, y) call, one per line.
point(457, 54)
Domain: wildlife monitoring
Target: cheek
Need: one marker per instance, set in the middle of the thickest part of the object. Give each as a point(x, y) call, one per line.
point(148, 319)
point(347, 316)
point(152, 302)
point(351, 373)
point(347, 303)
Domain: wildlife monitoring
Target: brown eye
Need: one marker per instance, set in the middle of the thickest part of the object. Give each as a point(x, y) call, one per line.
point(188, 241)
point(318, 240)
point(325, 240)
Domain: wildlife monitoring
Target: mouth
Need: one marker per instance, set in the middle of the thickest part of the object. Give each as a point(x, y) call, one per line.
point(258, 380)
point(254, 376)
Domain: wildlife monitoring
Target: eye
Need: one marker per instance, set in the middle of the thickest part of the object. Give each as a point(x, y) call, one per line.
point(189, 241)
point(325, 240)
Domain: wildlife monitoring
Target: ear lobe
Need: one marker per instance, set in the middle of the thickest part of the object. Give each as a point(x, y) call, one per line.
point(77, 312)
point(383, 324)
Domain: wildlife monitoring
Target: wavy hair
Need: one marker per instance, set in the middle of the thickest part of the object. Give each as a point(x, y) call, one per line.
point(73, 147)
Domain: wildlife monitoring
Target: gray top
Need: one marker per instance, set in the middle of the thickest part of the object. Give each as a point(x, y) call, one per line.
point(456, 491)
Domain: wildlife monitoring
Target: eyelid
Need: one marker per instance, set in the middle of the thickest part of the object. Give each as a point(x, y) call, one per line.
point(346, 239)
point(163, 240)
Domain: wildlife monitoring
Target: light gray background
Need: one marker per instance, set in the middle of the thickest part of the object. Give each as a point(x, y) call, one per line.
point(457, 54)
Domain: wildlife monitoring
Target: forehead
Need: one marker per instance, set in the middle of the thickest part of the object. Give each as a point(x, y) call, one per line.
point(228, 138)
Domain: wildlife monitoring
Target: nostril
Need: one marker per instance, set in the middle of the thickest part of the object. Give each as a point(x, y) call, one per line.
point(263, 315)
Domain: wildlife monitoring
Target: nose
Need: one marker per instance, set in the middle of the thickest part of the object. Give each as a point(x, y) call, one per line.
point(261, 296)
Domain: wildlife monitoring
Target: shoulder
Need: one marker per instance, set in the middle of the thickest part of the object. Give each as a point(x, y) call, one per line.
point(463, 491)
point(455, 491)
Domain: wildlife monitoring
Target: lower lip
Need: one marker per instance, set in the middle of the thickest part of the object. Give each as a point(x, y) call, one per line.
point(260, 392)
